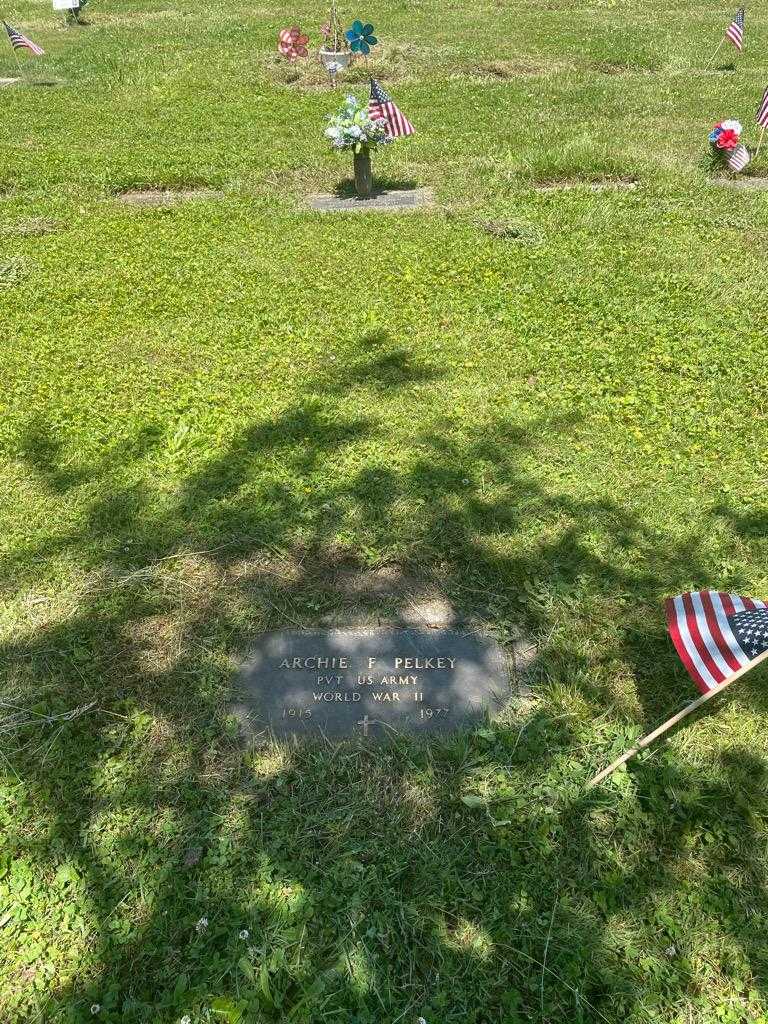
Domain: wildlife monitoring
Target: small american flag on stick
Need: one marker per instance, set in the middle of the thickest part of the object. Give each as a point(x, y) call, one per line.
point(762, 111)
point(719, 638)
point(382, 106)
point(20, 42)
point(735, 31)
point(717, 635)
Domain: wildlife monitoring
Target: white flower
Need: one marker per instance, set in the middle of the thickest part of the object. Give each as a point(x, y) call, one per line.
point(734, 126)
point(244, 934)
point(95, 1009)
point(201, 925)
point(421, 1021)
point(186, 1019)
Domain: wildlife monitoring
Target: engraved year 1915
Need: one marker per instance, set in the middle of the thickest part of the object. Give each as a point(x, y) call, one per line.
point(297, 713)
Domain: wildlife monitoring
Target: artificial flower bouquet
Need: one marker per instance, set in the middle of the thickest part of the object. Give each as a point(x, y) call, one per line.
point(725, 136)
point(352, 128)
point(727, 147)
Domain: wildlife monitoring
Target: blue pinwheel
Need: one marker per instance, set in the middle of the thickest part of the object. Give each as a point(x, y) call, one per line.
point(361, 37)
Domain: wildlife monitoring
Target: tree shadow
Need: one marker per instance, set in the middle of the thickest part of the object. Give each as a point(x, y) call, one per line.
point(369, 890)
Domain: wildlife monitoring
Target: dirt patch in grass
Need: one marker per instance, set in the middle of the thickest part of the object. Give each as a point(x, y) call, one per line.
point(32, 227)
point(506, 69)
point(156, 197)
point(610, 67)
point(603, 183)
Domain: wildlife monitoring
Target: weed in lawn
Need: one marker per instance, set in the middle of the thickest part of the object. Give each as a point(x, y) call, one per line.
point(11, 273)
point(510, 231)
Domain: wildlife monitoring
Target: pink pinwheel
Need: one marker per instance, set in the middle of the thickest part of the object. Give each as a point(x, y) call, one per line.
point(292, 43)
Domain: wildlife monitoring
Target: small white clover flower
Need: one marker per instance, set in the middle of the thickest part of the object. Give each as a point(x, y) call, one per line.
point(244, 934)
point(201, 925)
point(95, 1009)
point(186, 1019)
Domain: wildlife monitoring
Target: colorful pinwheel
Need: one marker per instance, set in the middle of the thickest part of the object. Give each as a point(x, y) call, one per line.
point(292, 43)
point(361, 38)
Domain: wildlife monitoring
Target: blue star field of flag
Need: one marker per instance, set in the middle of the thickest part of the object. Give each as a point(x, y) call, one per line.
point(751, 630)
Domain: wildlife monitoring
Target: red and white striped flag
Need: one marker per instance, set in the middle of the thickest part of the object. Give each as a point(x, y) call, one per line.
point(20, 42)
point(762, 111)
point(735, 31)
point(382, 106)
point(739, 158)
point(717, 635)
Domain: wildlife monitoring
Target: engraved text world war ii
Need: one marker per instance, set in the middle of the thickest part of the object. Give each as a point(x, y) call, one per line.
point(370, 683)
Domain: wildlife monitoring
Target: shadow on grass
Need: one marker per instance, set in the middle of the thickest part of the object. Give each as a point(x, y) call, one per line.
point(381, 185)
point(369, 891)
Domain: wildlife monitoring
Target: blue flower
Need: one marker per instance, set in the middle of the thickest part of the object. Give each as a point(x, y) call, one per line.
point(361, 37)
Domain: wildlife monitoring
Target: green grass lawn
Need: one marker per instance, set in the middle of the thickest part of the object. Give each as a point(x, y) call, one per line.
point(207, 411)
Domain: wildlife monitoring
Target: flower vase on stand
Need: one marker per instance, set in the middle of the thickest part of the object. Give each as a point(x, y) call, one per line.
point(363, 173)
point(335, 55)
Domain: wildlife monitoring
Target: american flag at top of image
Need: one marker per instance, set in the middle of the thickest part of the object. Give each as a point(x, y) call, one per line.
point(382, 106)
point(735, 31)
point(762, 111)
point(716, 634)
point(20, 42)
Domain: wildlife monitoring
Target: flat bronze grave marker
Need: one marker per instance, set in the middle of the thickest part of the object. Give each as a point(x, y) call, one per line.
point(371, 683)
point(382, 201)
point(744, 184)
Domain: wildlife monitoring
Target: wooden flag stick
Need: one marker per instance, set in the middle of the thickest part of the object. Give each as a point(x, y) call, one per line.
point(712, 58)
point(647, 740)
point(762, 133)
point(18, 63)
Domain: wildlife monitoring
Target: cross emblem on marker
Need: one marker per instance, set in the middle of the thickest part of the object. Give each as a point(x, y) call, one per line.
point(365, 723)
